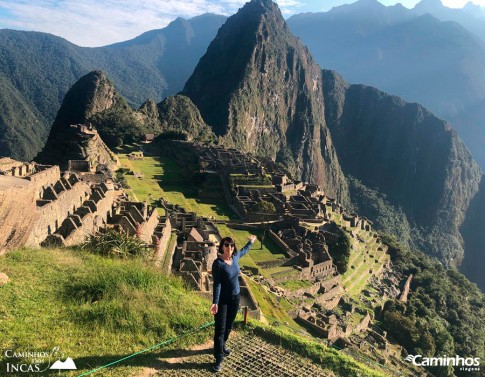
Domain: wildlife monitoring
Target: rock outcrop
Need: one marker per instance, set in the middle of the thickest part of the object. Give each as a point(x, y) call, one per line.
point(415, 159)
point(179, 114)
point(3, 279)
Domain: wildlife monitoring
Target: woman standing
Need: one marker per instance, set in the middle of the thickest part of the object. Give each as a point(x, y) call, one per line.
point(225, 302)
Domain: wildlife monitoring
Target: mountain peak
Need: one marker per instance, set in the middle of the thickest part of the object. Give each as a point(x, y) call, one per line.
point(429, 5)
point(258, 87)
point(91, 94)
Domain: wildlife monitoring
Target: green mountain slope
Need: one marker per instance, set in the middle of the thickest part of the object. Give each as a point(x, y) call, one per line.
point(40, 68)
point(408, 155)
point(13, 109)
point(408, 53)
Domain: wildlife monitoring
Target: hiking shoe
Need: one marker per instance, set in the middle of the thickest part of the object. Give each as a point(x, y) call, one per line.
point(217, 367)
point(226, 351)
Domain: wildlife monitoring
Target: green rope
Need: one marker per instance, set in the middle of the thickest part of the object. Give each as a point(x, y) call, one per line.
point(148, 349)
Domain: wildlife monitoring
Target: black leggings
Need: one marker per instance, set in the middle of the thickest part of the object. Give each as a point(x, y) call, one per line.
point(224, 319)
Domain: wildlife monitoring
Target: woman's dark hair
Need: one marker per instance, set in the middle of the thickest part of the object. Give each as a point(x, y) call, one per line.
point(228, 240)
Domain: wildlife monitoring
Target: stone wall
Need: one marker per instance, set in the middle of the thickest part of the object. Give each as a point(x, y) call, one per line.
point(248, 298)
point(46, 177)
point(148, 228)
point(281, 244)
point(52, 214)
point(163, 232)
point(17, 211)
point(92, 221)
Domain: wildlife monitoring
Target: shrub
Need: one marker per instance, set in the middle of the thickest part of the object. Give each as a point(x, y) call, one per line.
point(113, 243)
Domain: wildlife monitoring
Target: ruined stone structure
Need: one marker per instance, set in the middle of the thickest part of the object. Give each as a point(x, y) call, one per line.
point(332, 326)
point(92, 148)
point(42, 206)
point(14, 168)
point(228, 161)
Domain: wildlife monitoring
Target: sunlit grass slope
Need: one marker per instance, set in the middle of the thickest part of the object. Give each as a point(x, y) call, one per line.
point(95, 309)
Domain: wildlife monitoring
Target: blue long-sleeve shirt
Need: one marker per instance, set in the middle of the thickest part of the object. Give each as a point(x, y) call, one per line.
point(225, 276)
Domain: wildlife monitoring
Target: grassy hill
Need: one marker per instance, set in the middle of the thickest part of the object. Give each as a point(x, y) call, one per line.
point(99, 310)
point(95, 310)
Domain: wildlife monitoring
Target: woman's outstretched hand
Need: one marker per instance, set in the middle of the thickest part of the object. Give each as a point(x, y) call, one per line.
point(214, 309)
point(252, 238)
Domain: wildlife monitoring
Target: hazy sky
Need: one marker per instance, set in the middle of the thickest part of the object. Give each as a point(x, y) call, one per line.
point(101, 22)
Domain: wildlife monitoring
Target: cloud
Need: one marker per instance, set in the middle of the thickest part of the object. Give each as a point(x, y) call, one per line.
point(97, 23)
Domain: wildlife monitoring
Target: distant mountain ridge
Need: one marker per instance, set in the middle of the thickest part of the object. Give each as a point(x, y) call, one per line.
point(37, 69)
point(440, 65)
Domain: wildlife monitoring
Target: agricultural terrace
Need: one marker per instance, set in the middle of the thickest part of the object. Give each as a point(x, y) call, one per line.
point(151, 178)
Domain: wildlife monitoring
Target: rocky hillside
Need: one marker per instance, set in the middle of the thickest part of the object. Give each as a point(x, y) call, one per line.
point(153, 65)
point(179, 114)
point(258, 87)
point(411, 161)
point(93, 99)
point(473, 231)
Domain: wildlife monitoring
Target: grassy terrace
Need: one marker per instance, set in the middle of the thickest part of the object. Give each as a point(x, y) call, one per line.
point(162, 177)
point(274, 309)
point(294, 285)
point(269, 252)
point(357, 276)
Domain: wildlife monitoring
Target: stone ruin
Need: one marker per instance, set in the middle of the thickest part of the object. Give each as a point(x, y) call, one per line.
point(198, 240)
point(41, 206)
point(333, 325)
point(228, 161)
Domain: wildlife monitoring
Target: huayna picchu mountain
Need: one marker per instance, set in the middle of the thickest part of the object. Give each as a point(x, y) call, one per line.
point(260, 90)
point(258, 87)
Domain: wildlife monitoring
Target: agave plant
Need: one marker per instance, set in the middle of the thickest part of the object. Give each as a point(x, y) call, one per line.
point(115, 243)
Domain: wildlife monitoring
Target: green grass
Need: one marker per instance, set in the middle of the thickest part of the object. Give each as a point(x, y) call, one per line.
point(273, 311)
point(269, 252)
point(294, 284)
point(337, 362)
point(162, 177)
point(95, 309)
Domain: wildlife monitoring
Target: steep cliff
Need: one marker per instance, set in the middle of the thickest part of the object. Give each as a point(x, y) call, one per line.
point(473, 231)
point(259, 88)
point(409, 156)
